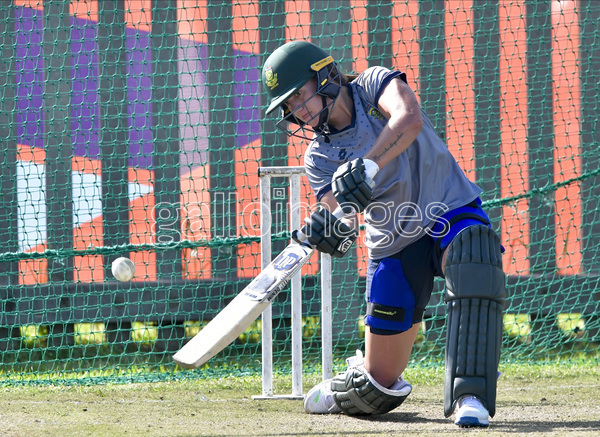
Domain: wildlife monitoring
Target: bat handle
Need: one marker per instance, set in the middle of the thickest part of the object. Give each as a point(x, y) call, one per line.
point(300, 236)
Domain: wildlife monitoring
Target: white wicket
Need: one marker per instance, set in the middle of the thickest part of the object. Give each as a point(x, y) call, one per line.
point(294, 173)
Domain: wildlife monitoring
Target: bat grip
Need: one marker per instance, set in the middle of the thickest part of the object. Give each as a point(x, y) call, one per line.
point(300, 236)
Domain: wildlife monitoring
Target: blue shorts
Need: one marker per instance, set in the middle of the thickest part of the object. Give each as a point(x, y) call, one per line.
point(399, 287)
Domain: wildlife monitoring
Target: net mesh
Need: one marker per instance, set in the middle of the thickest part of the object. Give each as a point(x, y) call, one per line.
point(136, 128)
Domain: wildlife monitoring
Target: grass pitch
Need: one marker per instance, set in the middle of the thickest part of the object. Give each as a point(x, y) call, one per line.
point(533, 400)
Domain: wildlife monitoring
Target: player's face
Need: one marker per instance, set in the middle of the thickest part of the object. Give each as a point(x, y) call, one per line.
point(305, 104)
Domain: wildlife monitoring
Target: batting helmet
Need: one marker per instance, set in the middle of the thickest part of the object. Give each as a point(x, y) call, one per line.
point(290, 67)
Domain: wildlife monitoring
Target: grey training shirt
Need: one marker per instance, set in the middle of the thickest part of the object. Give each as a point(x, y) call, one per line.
point(420, 184)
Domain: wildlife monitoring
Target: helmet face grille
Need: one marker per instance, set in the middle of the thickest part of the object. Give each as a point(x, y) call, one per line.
point(328, 80)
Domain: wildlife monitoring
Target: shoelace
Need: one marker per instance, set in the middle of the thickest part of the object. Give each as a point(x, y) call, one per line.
point(473, 403)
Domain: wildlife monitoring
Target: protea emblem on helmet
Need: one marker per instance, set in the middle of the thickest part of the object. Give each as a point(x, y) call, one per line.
point(271, 79)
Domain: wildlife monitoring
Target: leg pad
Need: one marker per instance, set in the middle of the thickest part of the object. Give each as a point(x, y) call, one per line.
point(475, 296)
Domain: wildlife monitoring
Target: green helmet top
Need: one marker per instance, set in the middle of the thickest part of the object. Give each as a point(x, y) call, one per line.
point(289, 67)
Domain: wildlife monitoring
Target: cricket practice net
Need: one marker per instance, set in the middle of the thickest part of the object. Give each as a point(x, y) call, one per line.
point(136, 128)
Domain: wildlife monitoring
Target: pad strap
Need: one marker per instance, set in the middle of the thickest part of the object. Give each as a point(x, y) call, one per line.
point(394, 314)
point(463, 214)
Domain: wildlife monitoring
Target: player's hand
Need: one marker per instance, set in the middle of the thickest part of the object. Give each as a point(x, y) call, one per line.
point(351, 186)
point(327, 233)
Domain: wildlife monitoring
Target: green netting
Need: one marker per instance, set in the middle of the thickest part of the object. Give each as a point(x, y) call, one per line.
point(136, 128)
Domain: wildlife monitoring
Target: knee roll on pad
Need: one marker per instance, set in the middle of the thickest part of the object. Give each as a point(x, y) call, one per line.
point(475, 296)
point(356, 392)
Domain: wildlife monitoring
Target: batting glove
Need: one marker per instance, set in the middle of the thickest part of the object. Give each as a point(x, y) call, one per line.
point(351, 186)
point(327, 233)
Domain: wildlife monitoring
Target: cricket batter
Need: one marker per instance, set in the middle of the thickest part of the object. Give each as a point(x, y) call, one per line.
point(423, 219)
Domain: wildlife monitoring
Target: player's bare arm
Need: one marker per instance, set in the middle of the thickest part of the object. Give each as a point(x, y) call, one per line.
point(399, 105)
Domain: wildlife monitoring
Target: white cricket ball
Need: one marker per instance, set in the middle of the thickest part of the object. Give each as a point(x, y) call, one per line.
point(123, 269)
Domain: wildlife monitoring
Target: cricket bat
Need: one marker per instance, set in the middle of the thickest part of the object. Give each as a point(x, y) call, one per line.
point(245, 308)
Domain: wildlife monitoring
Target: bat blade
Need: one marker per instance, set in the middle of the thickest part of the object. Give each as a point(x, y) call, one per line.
point(244, 309)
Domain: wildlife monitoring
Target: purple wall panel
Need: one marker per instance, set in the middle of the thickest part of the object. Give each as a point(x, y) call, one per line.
point(29, 76)
point(85, 110)
point(85, 113)
point(247, 98)
point(193, 105)
point(139, 95)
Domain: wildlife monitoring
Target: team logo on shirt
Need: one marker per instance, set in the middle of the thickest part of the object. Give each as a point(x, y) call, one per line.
point(373, 112)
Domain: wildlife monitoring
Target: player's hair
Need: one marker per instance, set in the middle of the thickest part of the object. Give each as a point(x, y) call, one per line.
point(347, 78)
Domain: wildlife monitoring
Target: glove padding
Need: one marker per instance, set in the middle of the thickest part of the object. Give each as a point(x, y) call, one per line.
point(327, 233)
point(356, 392)
point(351, 187)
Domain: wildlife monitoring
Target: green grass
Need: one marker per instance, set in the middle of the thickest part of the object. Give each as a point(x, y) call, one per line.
point(531, 402)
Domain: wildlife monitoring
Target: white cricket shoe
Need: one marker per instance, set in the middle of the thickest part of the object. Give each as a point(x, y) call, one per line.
point(319, 399)
point(471, 413)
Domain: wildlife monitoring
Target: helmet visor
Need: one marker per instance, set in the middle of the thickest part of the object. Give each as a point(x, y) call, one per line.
point(327, 87)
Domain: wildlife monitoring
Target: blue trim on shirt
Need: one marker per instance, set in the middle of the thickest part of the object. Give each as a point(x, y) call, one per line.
point(384, 83)
point(326, 189)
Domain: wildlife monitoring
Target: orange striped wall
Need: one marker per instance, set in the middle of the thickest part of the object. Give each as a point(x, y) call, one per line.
point(460, 109)
point(513, 135)
point(191, 20)
point(460, 82)
point(405, 40)
point(359, 30)
point(247, 161)
point(359, 38)
point(297, 20)
point(33, 4)
point(138, 14)
point(245, 35)
point(567, 164)
point(196, 222)
point(87, 10)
